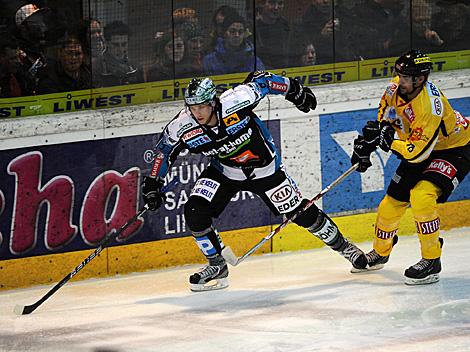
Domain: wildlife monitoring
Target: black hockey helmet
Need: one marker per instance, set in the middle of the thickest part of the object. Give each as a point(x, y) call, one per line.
point(200, 92)
point(413, 63)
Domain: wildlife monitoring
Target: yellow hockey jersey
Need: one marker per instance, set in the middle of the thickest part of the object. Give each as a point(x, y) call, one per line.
point(424, 124)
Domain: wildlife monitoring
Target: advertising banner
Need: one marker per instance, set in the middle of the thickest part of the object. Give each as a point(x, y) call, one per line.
point(66, 197)
point(363, 191)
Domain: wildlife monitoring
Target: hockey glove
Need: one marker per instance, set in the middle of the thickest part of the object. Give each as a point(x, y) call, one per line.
point(361, 154)
point(302, 97)
point(151, 192)
point(387, 132)
point(371, 133)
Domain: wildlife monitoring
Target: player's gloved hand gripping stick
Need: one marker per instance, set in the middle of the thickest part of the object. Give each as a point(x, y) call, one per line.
point(232, 259)
point(23, 310)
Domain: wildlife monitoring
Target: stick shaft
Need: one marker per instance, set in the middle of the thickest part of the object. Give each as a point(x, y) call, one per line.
point(288, 221)
point(106, 240)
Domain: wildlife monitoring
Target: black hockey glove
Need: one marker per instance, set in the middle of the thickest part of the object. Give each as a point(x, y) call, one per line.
point(302, 97)
point(387, 132)
point(371, 133)
point(151, 192)
point(361, 154)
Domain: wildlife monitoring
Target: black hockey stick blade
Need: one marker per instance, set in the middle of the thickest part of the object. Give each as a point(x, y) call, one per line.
point(23, 310)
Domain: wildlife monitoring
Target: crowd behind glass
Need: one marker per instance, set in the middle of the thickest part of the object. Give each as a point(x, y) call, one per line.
point(56, 46)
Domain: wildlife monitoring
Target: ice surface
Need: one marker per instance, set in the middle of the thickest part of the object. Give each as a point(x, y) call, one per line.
point(300, 301)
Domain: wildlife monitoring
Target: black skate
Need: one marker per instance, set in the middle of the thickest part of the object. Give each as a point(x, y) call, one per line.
point(374, 260)
point(212, 277)
point(352, 253)
point(426, 271)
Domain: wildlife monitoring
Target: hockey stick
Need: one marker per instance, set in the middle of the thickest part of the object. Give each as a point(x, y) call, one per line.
point(232, 259)
point(23, 310)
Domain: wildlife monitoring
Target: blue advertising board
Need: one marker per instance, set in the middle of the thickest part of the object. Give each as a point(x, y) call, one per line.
point(362, 191)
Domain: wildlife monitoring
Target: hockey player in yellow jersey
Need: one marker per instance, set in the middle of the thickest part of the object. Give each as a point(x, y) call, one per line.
point(416, 122)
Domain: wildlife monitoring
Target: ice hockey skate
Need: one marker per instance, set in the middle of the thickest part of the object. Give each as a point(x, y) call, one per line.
point(375, 261)
point(213, 276)
point(352, 253)
point(424, 272)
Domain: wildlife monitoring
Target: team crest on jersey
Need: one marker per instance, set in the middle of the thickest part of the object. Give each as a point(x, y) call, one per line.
point(409, 113)
point(231, 119)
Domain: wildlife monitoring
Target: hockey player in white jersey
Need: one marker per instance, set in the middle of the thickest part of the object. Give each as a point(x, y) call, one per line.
point(243, 157)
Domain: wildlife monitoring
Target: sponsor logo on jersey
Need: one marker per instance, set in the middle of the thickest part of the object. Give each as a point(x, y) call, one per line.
point(417, 135)
point(280, 87)
point(198, 141)
point(192, 134)
point(328, 232)
point(428, 227)
point(385, 235)
point(157, 163)
point(231, 119)
point(238, 126)
point(409, 113)
point(237, 107)
point(245, 157)
point(391, 88)
point(434, 90)
point(442, 167)
point(205, 188)
point(437, 106)
point(284, 197)
point(230, 147)
point(182, 129)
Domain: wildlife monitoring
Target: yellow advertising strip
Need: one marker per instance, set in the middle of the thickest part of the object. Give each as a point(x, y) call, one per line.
point(170, 90)
point(49, 269)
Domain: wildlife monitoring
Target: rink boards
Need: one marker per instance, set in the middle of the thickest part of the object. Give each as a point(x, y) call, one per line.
point(65, 189)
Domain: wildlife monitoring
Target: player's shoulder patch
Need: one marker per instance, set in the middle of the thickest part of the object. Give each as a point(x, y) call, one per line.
point(182, 123)
point(391, 89)
point(435, 99)
point(236, 99)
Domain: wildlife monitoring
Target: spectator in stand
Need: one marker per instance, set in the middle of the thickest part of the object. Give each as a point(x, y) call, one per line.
point(218, 20)
point(233, 52)
point(377, 29)
point(13, 82)
point(423, 35)
point(272, 34)
point(93, 38)
point(308, 55)
point(169, 54)
point(31, 28)
point(68, 73)
point(452, 21)
point(194, 50)
point(114, 67)
point(325, 31)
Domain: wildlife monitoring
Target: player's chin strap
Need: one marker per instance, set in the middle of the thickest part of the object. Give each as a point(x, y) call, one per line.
point(232, 259)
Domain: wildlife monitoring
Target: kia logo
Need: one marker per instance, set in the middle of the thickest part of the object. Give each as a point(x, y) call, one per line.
point(281, 194)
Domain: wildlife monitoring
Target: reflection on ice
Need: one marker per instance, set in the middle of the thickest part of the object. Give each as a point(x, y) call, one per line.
point(302, 301)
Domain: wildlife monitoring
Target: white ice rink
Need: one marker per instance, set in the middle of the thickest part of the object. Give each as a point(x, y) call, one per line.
point(302, 301)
